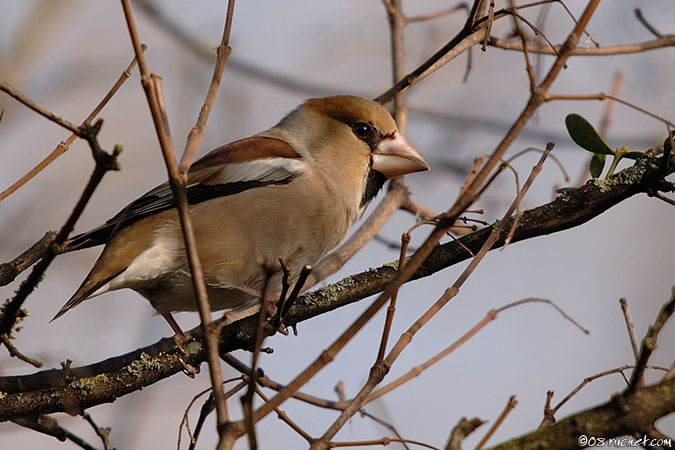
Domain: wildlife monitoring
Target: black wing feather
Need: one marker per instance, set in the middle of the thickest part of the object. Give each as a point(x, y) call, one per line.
point(161, 199)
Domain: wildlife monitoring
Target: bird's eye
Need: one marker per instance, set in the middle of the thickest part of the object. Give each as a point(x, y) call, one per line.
point(362, 130)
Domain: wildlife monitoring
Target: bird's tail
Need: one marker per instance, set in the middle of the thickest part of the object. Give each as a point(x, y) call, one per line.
point(86, 290)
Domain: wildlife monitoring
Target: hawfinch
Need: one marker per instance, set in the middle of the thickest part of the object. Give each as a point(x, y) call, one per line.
point(289, 193)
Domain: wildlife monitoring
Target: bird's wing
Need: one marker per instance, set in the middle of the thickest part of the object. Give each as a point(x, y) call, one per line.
point(233, 168)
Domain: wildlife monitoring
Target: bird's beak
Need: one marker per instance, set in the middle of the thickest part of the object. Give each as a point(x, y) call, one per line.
point(394, 156)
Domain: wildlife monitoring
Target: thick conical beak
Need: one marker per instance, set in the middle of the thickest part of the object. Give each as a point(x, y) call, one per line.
point(394, 156)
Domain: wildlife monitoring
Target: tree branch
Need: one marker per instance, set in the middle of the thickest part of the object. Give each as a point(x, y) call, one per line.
point(53, 390)
point(623, 415)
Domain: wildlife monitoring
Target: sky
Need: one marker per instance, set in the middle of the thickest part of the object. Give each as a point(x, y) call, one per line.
point(67, 54)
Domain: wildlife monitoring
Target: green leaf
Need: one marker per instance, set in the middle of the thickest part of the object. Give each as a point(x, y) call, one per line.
point(585, 136)
point(597, 164)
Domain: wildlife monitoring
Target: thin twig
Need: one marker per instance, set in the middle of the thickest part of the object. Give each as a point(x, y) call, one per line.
point(461, 431)
point(649, 344)
point(386, 425)
point(551, 156)
point(185, 420)
point(396, 26)
point(664, 198)
point(63, 146)
point(631, 328)
point(56, 118)
point(652, 29)
point(405, 240)
point(50, 427)
point(40, 393)
point(549, 417)
point(207, 407)
point(104, 163)
point(490, 21)
point(505, 412)
point(523, 39)
point(247, 399)
point(489, 317)
point(569, 13)
point(437, 14)
point(15, 352)
point(103, 433)
point(602, 97)
point(197, 133)
point(153, 90)
point(287, 420)
point(379, 442)
point(587, 380)
point(665, 41)
point(449, 218)
point(379, 370)
point(549, 302)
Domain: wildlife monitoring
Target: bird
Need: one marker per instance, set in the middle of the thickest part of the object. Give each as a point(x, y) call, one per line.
point(282, 197)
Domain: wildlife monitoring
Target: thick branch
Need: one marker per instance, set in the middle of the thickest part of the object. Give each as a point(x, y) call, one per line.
point(623, 415)
point(49, 391)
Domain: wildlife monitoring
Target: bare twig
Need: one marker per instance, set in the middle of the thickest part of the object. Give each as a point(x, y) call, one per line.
point(207, 407)
point(664, 198)
point(646, 24)
point(549, 417)
point(44, 391)
point(551, 156)
point(489, 317)
point(536, 99)
point(15, 352)
point(185, 420)
point(103, 433)
point(619, 370)
point(379, 442)
point(50, 427)
point(379, 370)
point(153, 90)
point(665, 41)
point(437, 14)
point(287, 420)
point(631, 328)
point(505, 412)
point(247, 399)
point(460, 432)
point(405, 240)
point(649, 344)
point(549, 302)
point(56, 118)
point(490, 21)
point(10, 270)
point(602, 97)
point(569, 13)
point(523, 39)
point(516, 218)
point(104, 163)
point(396, 26)
point(63, 146)
point(197, 133)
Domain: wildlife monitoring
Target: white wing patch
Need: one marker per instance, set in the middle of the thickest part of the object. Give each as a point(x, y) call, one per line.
point(263, 170)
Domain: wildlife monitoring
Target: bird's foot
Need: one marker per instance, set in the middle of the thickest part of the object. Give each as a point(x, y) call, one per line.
point(180, 339)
